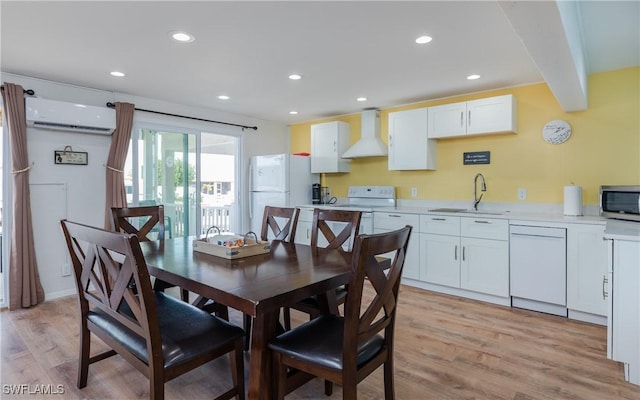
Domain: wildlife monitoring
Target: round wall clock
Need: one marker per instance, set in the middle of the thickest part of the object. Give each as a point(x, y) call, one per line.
point(556, 131)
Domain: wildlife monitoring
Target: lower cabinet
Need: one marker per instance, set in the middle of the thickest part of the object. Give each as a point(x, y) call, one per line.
point(303, 229)
point(478, 261)
point(389, 221)
point(586, 269)
point(623, 327)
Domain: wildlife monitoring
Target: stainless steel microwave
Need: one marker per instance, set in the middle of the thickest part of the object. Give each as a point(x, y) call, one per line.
point(621, 202)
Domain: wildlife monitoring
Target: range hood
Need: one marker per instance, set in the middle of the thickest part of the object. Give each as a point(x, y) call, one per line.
point(370, 143)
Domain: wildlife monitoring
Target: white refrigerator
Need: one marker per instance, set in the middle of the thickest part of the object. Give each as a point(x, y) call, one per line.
point(279, 180)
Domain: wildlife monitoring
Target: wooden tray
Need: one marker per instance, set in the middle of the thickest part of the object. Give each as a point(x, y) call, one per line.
point(250, 248)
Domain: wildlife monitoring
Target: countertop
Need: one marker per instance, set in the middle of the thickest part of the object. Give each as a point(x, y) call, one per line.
point(513, 216)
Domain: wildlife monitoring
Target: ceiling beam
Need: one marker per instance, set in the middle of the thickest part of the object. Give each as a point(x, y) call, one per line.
point(551, 33)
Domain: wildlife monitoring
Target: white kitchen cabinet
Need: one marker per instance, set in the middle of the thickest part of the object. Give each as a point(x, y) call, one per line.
point(466, 252)
point(623, 326)
point(328, 141)
point(484, 266)
point(389, 221)
point(586, 270)
point(409, 147)
point(492, 115)
point(303, 228)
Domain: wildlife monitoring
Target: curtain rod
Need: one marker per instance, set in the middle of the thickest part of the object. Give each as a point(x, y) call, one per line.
point(30, 92)
point(255, 128)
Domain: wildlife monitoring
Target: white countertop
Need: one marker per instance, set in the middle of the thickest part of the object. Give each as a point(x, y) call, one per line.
point(510, 215)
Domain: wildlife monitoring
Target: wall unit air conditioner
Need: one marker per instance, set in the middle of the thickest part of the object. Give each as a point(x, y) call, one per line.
point(70, 117)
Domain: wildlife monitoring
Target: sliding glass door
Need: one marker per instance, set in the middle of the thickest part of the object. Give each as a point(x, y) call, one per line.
point(193, 174)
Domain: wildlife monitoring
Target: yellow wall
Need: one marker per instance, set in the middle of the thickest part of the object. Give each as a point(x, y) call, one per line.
point(604, 148)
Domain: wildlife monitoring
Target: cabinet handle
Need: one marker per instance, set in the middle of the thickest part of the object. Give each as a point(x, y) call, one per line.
point(604, 285)
point(463, 253)
point(481, 222)
point(438, 219)
point(455, 253)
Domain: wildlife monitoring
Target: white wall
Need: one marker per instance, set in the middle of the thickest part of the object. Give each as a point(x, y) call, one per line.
point(78, 192)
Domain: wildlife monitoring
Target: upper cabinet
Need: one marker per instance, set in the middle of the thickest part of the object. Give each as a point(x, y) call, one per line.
point(477, 117)
point(328, 141)
point(409, 147)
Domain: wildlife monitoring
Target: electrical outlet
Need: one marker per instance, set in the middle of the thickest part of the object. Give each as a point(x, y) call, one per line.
point(414, 192)
point(65, 270)
point(522, 194)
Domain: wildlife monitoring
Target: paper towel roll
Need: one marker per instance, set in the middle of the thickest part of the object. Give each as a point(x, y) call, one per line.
point(573, 200)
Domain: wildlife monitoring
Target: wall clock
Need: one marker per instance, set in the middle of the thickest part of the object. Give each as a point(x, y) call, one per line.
point(556, 131)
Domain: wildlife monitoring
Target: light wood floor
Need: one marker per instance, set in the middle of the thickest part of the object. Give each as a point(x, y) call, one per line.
point(446, 348)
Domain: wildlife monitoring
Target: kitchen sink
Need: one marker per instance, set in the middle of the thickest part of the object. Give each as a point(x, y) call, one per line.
point(464, 211)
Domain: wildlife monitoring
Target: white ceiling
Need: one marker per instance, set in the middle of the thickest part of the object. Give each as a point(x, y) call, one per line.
point(342, 50)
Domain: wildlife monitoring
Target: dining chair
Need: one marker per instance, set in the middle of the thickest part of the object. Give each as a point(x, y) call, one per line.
point(281, 222)
point(278, 223)
point(157, 334)
point(348, 348)
point(348, 224)
point(142, 222)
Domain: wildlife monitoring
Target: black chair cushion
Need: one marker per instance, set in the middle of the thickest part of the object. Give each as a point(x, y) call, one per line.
point(319, 341)
point(186, 331)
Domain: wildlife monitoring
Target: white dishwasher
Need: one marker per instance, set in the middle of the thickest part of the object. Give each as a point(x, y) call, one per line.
point(538, 268)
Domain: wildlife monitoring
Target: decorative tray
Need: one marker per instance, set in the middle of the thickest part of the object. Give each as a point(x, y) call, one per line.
point(231, 246)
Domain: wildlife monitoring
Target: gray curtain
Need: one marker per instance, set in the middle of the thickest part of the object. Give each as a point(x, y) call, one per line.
point(116, 194)
point(25, 289)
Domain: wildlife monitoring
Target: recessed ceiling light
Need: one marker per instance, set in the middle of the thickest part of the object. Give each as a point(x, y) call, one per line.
point(181, 36)
point(223, 97)
point(117, 73)
point(472, 77)
point(294, 77)
point(293, 112)
point(423, 39)
point(361, 99)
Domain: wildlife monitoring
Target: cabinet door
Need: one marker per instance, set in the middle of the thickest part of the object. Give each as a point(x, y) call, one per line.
point(385, 222)
point(626, 306)
point(586, 269)
point(303, 233)
point(328, 141)
point(409, 148)
point(485, 266)
point(440, 259)
point(448, 120)
point(491, 115)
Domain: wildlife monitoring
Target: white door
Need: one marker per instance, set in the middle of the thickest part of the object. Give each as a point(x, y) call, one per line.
point(269, 173)
point(261, 199)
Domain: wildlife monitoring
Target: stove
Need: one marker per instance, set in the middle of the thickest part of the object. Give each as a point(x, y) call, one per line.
point(365, 199)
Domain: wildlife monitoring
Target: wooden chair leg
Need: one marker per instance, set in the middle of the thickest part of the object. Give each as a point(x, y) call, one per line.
point(328, 388)
point(389, 390)
point(286, 315)
point(247, 330)
point(83, 359)
point(237, 369)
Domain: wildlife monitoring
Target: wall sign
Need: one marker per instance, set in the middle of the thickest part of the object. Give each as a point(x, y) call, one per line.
point(70, 157)
point(476, 157)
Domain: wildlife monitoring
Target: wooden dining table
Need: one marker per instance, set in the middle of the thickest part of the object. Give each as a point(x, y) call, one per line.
point(257, 286)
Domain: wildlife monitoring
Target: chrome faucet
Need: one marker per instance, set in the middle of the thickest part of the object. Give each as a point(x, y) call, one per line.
point(483, 187)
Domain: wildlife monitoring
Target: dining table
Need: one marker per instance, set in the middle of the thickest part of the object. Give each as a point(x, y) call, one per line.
point(258, 286)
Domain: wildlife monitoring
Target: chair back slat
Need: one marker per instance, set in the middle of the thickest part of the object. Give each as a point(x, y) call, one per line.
point(104, 263)
point(365, 319)
point(152, 217)
point(282, 230)
point(320, 225)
